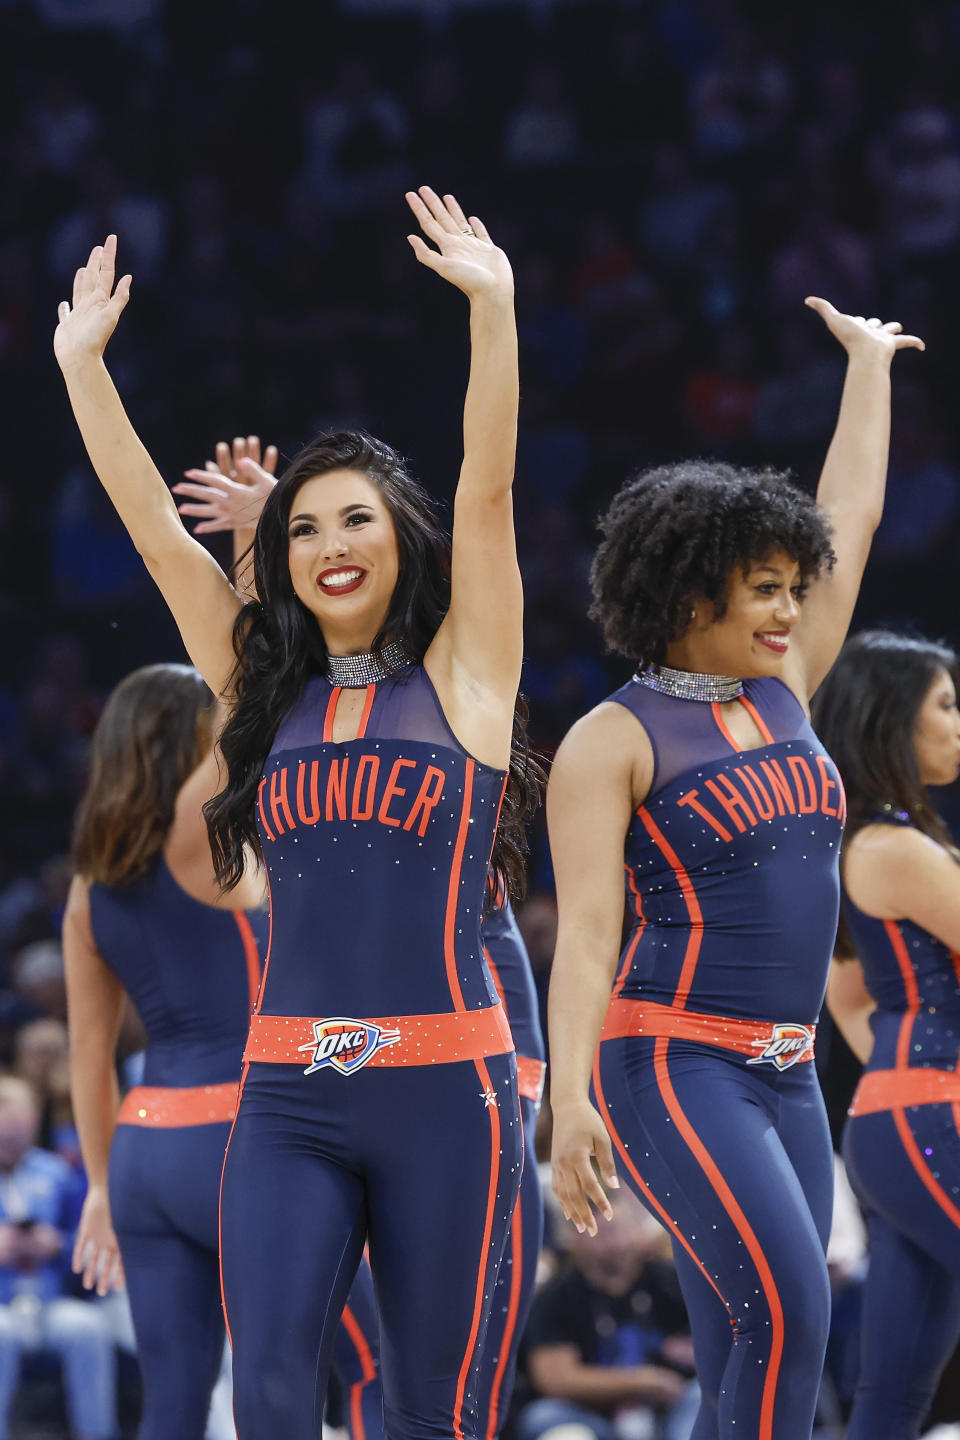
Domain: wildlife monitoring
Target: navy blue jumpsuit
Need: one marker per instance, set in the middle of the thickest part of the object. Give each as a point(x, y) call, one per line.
point(380, 1097)
point(193, 972)
point(702, 1075)
point(902, 1152)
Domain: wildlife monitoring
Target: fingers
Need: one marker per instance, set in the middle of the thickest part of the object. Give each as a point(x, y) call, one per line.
point(203, 490)
point(909, 342)
point(604, 1153)
point(426, 221)
point(440, 212)
point(424, 254)
point(224, 458)
point(893, 327)
point(239, 451)
point(253, 448)
point(271, 456)
point(108, 265)
point(121, 295)
point(453, 209)
point(480, 230)
point(595, 1192)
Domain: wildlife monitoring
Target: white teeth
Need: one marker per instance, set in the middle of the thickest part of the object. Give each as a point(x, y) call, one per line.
point(346, 577)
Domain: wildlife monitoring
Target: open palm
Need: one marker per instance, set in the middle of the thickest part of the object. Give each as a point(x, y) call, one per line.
point(87, 324)
point(856, 333)
point(465, 254)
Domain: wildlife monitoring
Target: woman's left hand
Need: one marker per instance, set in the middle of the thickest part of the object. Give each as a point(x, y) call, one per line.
point(465, 254)
point(231, 491)
point(865, 336)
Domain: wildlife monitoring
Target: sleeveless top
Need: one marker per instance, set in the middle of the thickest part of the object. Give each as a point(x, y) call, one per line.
point(731, 862)
point(915, 980)
point(191, 970)
point(377, 852)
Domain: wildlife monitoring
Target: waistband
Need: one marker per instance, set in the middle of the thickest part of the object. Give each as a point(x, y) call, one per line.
point(163, 1107)
point(347, 1044)
point(898, 1089)
point(778, 1043)
point(531, 1075)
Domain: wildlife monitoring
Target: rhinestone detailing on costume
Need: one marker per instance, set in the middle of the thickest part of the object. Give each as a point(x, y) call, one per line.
point(691, 685)
point(353, 672)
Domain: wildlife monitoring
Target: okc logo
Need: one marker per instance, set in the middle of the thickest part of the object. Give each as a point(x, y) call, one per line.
point(345, 1044)
point(787, 1045)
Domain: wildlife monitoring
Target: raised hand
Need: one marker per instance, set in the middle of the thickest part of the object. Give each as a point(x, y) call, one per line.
point(87, 324)
point(869, 336)
point(230, 492)
point(465, 254)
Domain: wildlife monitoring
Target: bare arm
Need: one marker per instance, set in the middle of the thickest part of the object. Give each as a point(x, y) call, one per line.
point(560, 1372)
point(851, 488)
point(475, 658)
point(897, 873)
point(201, 599)
point(589, 805)
point(95, 1003)
point(851, 1005)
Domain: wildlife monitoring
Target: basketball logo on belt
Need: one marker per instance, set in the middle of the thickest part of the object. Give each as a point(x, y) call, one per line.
point(346, 1044)
point(787, 1044)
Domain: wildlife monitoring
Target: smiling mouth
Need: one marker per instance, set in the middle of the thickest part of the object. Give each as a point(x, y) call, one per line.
point(340, 582)
point(776, 641)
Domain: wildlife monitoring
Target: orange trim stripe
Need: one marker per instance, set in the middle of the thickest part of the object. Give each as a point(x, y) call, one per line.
point(465, 1368)
point(693, 906)
point(744, 1229)
point(251, 954)
point(494, 973)
point(903, 1089)
point(330, 714)
point(757, 719)
point(631, 949)
point(223, 1293)
point(171, 1107)
point(513, 1309)
point(923, 1170)
point(367, 1367)
point(721, 725)
point(644, 1188)
point(456, 865)
point(367, 707)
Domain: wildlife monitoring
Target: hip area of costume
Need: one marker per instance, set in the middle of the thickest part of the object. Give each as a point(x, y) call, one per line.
point(380, 1101)
point(901, 1146)
point(703, 1073)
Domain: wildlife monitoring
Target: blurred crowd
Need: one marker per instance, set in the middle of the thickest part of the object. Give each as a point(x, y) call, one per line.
point(670, 179)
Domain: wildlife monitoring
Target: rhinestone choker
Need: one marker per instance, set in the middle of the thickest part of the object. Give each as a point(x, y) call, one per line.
point(690, 684)
point(354, 671)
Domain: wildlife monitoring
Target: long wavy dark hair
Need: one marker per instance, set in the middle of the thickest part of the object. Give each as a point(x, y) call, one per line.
point(155, 729)
point(865, 712)
point(279, 646)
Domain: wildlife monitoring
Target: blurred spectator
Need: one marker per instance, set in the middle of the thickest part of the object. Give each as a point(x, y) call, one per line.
point(37, 974)
point(41, 1057)
point(38, 1213)
point(917, 170)
point(608, 1346)
point(543, 132)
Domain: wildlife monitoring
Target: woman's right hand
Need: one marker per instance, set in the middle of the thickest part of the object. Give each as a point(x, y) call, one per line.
point(231, 491)
point(579, 1138)
point(87, 324)
point(96, 1254)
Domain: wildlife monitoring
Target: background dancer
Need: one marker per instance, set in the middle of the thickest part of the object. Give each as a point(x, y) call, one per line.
point(888, 713)
point(706, 769)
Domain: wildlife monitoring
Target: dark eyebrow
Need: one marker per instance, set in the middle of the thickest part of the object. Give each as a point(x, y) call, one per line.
point(346, 510)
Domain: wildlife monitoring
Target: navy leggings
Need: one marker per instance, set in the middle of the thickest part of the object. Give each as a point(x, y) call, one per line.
point(905, 1169)
point(424, 1164)
point(164, 1186)
point(736, 1161)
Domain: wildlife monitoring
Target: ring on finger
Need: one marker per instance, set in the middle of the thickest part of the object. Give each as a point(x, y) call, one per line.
point(469, 230)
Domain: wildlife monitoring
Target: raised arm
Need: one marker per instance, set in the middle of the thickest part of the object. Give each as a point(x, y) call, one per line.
point(201, 599)
point(475, 659)
point(589, 804)
point(95, 1002)
point(852, 484)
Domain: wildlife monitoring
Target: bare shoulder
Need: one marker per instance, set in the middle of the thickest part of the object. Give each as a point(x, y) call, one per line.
point(77, 910)
point(885, 864)
point(607, 745)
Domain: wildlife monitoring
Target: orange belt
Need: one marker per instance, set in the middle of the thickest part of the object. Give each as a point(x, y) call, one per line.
point(165, 1107)
point(348, 1044)
point(898, 1089)
point(780, 1044)
point(530, 1077)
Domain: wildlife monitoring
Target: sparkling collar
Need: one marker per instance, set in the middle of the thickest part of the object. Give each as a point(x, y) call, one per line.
point(355, 671)
point(690, 684)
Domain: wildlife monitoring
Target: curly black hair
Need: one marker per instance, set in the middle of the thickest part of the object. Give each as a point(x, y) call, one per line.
point(675, 534)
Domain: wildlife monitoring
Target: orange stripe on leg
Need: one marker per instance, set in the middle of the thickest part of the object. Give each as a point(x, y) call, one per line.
point(741, 1224)
point(368, 1370)
point(513, 1309)
point(251, 954)
point(644, 1188)
point(494, 1115)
